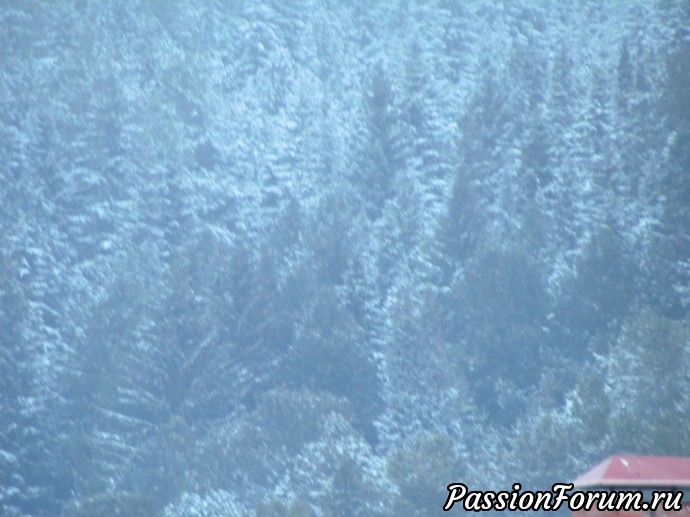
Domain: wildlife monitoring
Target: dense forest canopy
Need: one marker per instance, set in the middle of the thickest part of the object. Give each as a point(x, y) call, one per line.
point(324, 258)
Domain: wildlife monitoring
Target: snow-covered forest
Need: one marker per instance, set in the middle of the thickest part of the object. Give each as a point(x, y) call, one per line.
point(271, 258)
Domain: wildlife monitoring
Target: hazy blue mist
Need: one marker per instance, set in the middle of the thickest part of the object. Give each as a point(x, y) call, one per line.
point(289, 259)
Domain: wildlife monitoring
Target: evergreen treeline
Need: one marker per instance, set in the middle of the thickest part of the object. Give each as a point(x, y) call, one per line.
point(295, 259)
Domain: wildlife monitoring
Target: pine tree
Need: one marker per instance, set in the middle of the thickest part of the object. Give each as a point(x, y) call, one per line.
point(649, 348)
point(674, 242)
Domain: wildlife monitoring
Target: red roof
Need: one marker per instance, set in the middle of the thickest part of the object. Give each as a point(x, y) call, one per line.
point(638, 471)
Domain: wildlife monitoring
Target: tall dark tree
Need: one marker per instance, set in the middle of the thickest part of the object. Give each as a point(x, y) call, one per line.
point(498, 317)
point(388, 144)
point(674, 243)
